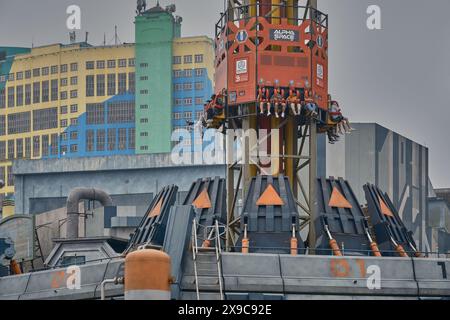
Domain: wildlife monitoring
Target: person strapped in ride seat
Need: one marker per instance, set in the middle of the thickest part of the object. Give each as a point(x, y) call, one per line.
point(336, 116)
point(277, 99)
point(310, 104)
point(294, 99)
point(263, 97)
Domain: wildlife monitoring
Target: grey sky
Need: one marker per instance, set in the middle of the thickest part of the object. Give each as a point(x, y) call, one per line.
point(398, 77)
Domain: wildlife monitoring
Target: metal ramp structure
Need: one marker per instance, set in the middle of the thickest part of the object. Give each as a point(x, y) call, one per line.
point(393, 237)
point(152, 228)
point(269, 219)
point(341, 227)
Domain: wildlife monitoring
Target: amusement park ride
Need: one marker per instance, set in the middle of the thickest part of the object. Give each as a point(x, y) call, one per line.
point(272, 77)
point(271, 80)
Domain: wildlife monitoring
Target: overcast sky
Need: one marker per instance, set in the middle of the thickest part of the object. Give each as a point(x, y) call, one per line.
point(398, 77)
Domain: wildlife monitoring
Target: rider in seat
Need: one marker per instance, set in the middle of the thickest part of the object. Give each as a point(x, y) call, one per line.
point(310, 104)
point(293, 100)
point(278, 98)
point(336, 116)
point(263, 97)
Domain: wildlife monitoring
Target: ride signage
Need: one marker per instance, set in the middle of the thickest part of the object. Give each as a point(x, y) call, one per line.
point(284, 35)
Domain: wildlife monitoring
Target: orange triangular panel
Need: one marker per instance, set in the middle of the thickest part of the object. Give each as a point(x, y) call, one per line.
point(384, 208)
point(337, 200)
point(156, 211)
point(203, 201)
point(270, 197)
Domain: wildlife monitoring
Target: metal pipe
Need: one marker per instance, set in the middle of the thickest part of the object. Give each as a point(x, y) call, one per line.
point(73, 200)
point(104, 283)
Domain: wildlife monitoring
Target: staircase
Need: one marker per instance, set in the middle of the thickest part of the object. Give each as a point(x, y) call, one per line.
point(208, 276)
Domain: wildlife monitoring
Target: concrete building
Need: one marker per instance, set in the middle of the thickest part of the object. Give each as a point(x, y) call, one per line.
point(396, 164)
point(78, 100)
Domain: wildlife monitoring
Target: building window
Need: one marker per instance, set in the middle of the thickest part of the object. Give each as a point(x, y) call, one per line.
point(36, 92)
point(45, 145)
point(54, 90)
point(178, 102)
point(63, 150)
point(73, 81)
point(188, 59)
point(144, 134)
point(54, 144)
point(54, 69)
point(111, 139)
point(2, 78)
point(64, 123)
point(199, 101)
point(36, 72)
point(90, 86)
point(19, 122)
point(121, 112)
point(74, 94)
point(11, 97)
point(2, 98)
point(2, 153)
point(144, 92)
point(178, 73)
point(45, 119)
point(177, 60)
point(63, 95)
point(144, 78)
point(45, 91)
point(19, 148)
point(11, 149)
point(64, 82)
point(187, 101)
point(100, 85)
point(63, 110)
point(177, 115)
point(63, 136)
point(131, 138)
point(74, 135)
point(45, 71)
point(198, 115)
point(19, 96)
point(132, 82)
point(74, 67)
point(178, 87)
point(101, 64)
point(122, 139)
point(144, 106)
point(111, 84)
point(64, 68)
point(188, 115)
point(111, 64)
point(144, 120)
point(27, 94)
point(2, 125)
point(19, 75)
point(122, 63)
point(74, 108)
point(74, 121)
point(73, 148)
point(101, 140)
point(188, 73)
point(187, 86)
point(95, 113)
point(10, 181)
point(144, 148)
point(27, 148)
point(11, 77)
point(36, 146)
point(199, 86)
point(144, 65)
point(90, 65)
point(89, 140)
point(28, 74)
point(198, 58)
point(131, 62)
point(122, 83)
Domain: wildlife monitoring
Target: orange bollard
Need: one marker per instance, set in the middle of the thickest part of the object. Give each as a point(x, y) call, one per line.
point(335, 247)
point(375, 250)
point(245, 245)
point(294, 246)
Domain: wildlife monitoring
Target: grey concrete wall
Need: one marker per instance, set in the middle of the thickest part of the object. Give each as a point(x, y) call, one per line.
point(119, 176)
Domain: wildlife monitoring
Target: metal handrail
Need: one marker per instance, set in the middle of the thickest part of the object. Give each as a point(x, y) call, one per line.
point(194, 256)
point(218, 253)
